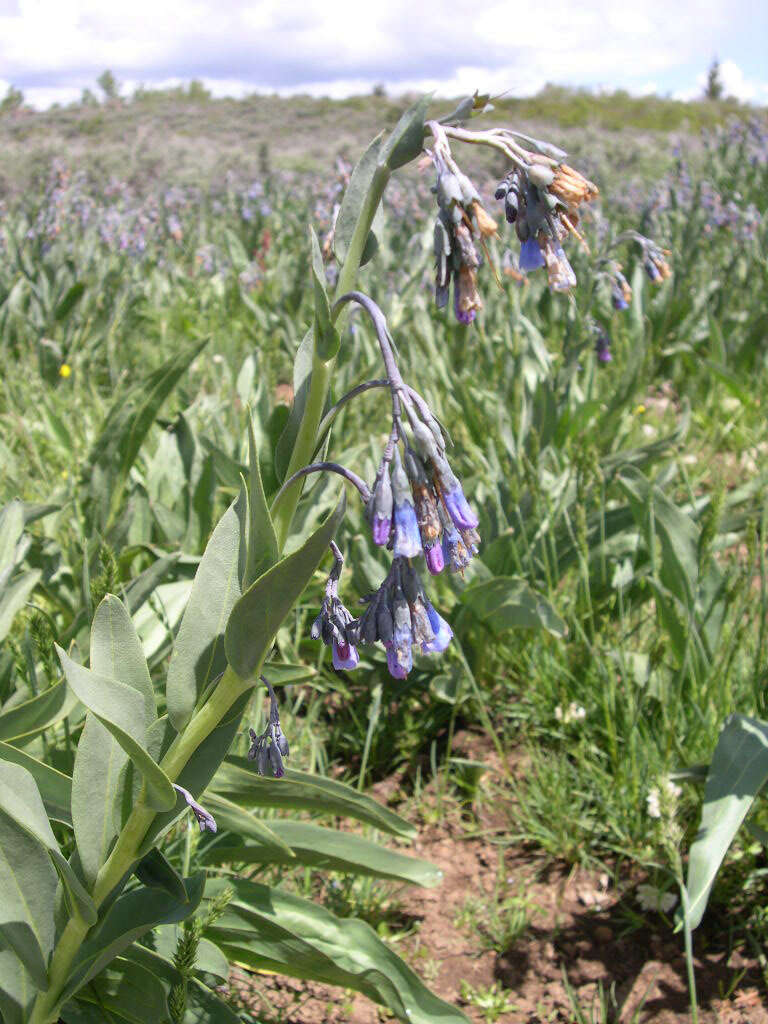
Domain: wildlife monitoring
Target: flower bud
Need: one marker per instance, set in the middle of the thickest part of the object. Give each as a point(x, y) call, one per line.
point(407, 540)
point(453, 497)
point(442, 632)
point(380, 507)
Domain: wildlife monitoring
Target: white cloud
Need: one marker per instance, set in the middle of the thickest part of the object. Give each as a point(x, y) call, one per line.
point(54, 48)
point(735, 83)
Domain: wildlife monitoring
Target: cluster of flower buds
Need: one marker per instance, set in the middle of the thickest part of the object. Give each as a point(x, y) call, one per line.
point(400, 616)
point(332, 622)
point(269, 749)
point(654, 262)
point(621, 293)
point(418, 504)
point(541, 196)
point(542, 201)
point(461, 219)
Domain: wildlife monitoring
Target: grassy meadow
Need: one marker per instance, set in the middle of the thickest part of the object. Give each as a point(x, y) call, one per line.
point(155, 273)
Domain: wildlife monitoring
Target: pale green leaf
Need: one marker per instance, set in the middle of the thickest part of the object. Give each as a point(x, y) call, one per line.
point(738, 772)
point(198, 654)
point(122, 710)
point(259, 613)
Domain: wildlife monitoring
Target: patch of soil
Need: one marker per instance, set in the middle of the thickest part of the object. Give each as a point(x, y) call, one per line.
point(577, 932)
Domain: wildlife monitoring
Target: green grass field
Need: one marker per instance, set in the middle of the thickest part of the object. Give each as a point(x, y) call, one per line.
point(155, 286)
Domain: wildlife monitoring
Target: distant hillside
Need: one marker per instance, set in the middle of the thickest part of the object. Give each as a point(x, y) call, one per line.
point(184, 136)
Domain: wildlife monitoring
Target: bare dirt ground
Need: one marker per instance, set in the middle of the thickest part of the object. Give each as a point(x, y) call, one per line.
point(579, 931)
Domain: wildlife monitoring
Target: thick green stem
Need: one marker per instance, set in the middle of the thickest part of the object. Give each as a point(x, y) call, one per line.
point(125, 852)
point(306, 439)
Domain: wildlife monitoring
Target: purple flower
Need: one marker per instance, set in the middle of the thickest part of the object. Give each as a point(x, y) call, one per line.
point(458, 508)
point(441, 629)
point(380, 506)
point(397, 669)
point(435, 560)
point(332, 623)
point(603, 348)
point(272, 746)
point(455, 553)
point(531, 257)
point(381, 529)
point(345, 655)
point(204, 819)
point(407, 539)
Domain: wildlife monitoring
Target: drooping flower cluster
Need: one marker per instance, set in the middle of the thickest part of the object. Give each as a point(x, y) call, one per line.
point(542, 201)
point(269, 749)
point(400, 616)
point(416, 506)
point(654, 262)
point(542, 196)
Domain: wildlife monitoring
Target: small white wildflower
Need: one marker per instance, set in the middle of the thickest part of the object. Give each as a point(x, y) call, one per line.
point(654, 803)
point(218, 358)
point(662, 798)
point(673, 790)
point(652, 898)
point(576, 713)
point(573, 713)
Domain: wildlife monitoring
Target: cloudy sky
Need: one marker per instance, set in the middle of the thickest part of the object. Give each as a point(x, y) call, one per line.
point(52, 49)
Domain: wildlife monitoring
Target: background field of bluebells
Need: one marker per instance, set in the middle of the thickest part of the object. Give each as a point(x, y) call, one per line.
point(629, 493)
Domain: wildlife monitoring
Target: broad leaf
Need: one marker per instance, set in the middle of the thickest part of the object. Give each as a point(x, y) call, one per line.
point(259, 613)
point(29, 718)
point(28, 884)
point(300, 791)
point(327, 340)
point(355, 196)
point(154, 871)
point(302, 371)
point(125, 993)
point(116, 650)
point(505, 602)
point(269, 929)
point(330, 850)
point(262, 541)
point(123, 711)
point(407, 138)
point(198, 655)
point(21, 802)
point(232, 818)
point(125, 428)
point(738, 772)
point(13, 597)
point(55, 787)
point(11, 529)
point(98, 776)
